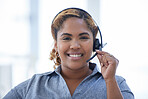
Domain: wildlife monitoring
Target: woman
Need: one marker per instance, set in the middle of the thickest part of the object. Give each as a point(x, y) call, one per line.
point(74, 32)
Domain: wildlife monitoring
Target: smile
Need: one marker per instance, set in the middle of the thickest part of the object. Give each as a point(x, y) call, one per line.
point(75, 55)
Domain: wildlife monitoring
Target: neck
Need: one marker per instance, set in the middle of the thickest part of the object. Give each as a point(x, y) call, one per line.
point(78, 74)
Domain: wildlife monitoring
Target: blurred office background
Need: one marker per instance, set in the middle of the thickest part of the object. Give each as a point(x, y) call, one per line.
point(26, 41)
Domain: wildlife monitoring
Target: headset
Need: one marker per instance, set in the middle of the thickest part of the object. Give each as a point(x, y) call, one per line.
point(97, 45)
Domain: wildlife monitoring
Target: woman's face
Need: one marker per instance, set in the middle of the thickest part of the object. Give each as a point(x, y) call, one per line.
point(74, 43)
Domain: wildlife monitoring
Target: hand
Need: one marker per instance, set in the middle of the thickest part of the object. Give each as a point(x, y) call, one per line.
point(108, 65)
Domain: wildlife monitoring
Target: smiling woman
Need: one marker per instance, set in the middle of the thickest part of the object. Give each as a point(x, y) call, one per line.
point(74, 33)
point(78, 41)
point(80, 23)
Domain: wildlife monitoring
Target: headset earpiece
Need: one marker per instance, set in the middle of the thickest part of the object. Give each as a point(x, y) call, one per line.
point(96, 45)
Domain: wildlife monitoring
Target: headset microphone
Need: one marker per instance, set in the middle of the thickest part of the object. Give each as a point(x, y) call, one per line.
point(97, 45)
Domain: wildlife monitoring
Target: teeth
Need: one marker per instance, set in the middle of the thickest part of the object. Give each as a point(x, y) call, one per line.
point(76, 55)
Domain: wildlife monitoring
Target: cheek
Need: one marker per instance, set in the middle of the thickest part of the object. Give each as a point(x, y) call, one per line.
point(88, 47)
point(62, 47)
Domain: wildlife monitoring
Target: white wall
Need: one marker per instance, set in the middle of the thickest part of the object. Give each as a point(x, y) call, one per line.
point(124, 25)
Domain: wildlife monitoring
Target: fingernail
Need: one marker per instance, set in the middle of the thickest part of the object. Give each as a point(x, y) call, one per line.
point(97, 50)
point(101, 64)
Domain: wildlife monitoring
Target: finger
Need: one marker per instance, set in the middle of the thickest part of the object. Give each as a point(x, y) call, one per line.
point(102, 64)
point(100, 52)
point(112, 60)
point(106, 58)
point(102, 60)
point(105, 61)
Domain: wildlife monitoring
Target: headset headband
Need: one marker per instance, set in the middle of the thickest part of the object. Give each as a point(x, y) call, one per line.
point(70, 11)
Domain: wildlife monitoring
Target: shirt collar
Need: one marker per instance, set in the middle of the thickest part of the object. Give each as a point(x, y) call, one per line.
point(92, 66)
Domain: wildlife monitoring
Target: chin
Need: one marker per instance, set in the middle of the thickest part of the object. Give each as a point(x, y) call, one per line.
point(76, 66)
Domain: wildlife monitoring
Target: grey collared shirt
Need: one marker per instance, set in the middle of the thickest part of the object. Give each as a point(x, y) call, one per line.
point(51, 85)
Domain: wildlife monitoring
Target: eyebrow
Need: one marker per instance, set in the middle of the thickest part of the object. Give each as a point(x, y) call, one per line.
point(66, 34)
point(85, 33)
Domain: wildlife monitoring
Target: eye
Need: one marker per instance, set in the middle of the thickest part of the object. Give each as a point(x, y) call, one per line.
point(84, 37)
point(66, 38)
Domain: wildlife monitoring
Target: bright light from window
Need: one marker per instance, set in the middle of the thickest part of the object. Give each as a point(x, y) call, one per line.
point(124, 27)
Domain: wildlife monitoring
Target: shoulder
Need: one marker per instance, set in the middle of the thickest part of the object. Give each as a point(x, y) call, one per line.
point(37, 79)
point(119, 79)
point(41, 75)
point(122, 82)
point(22, 89)
point(125, 90)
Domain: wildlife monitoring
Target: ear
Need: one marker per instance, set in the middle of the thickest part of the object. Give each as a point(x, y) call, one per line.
point(55, 45)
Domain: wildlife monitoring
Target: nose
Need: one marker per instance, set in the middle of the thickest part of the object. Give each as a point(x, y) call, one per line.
point(75, 45)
